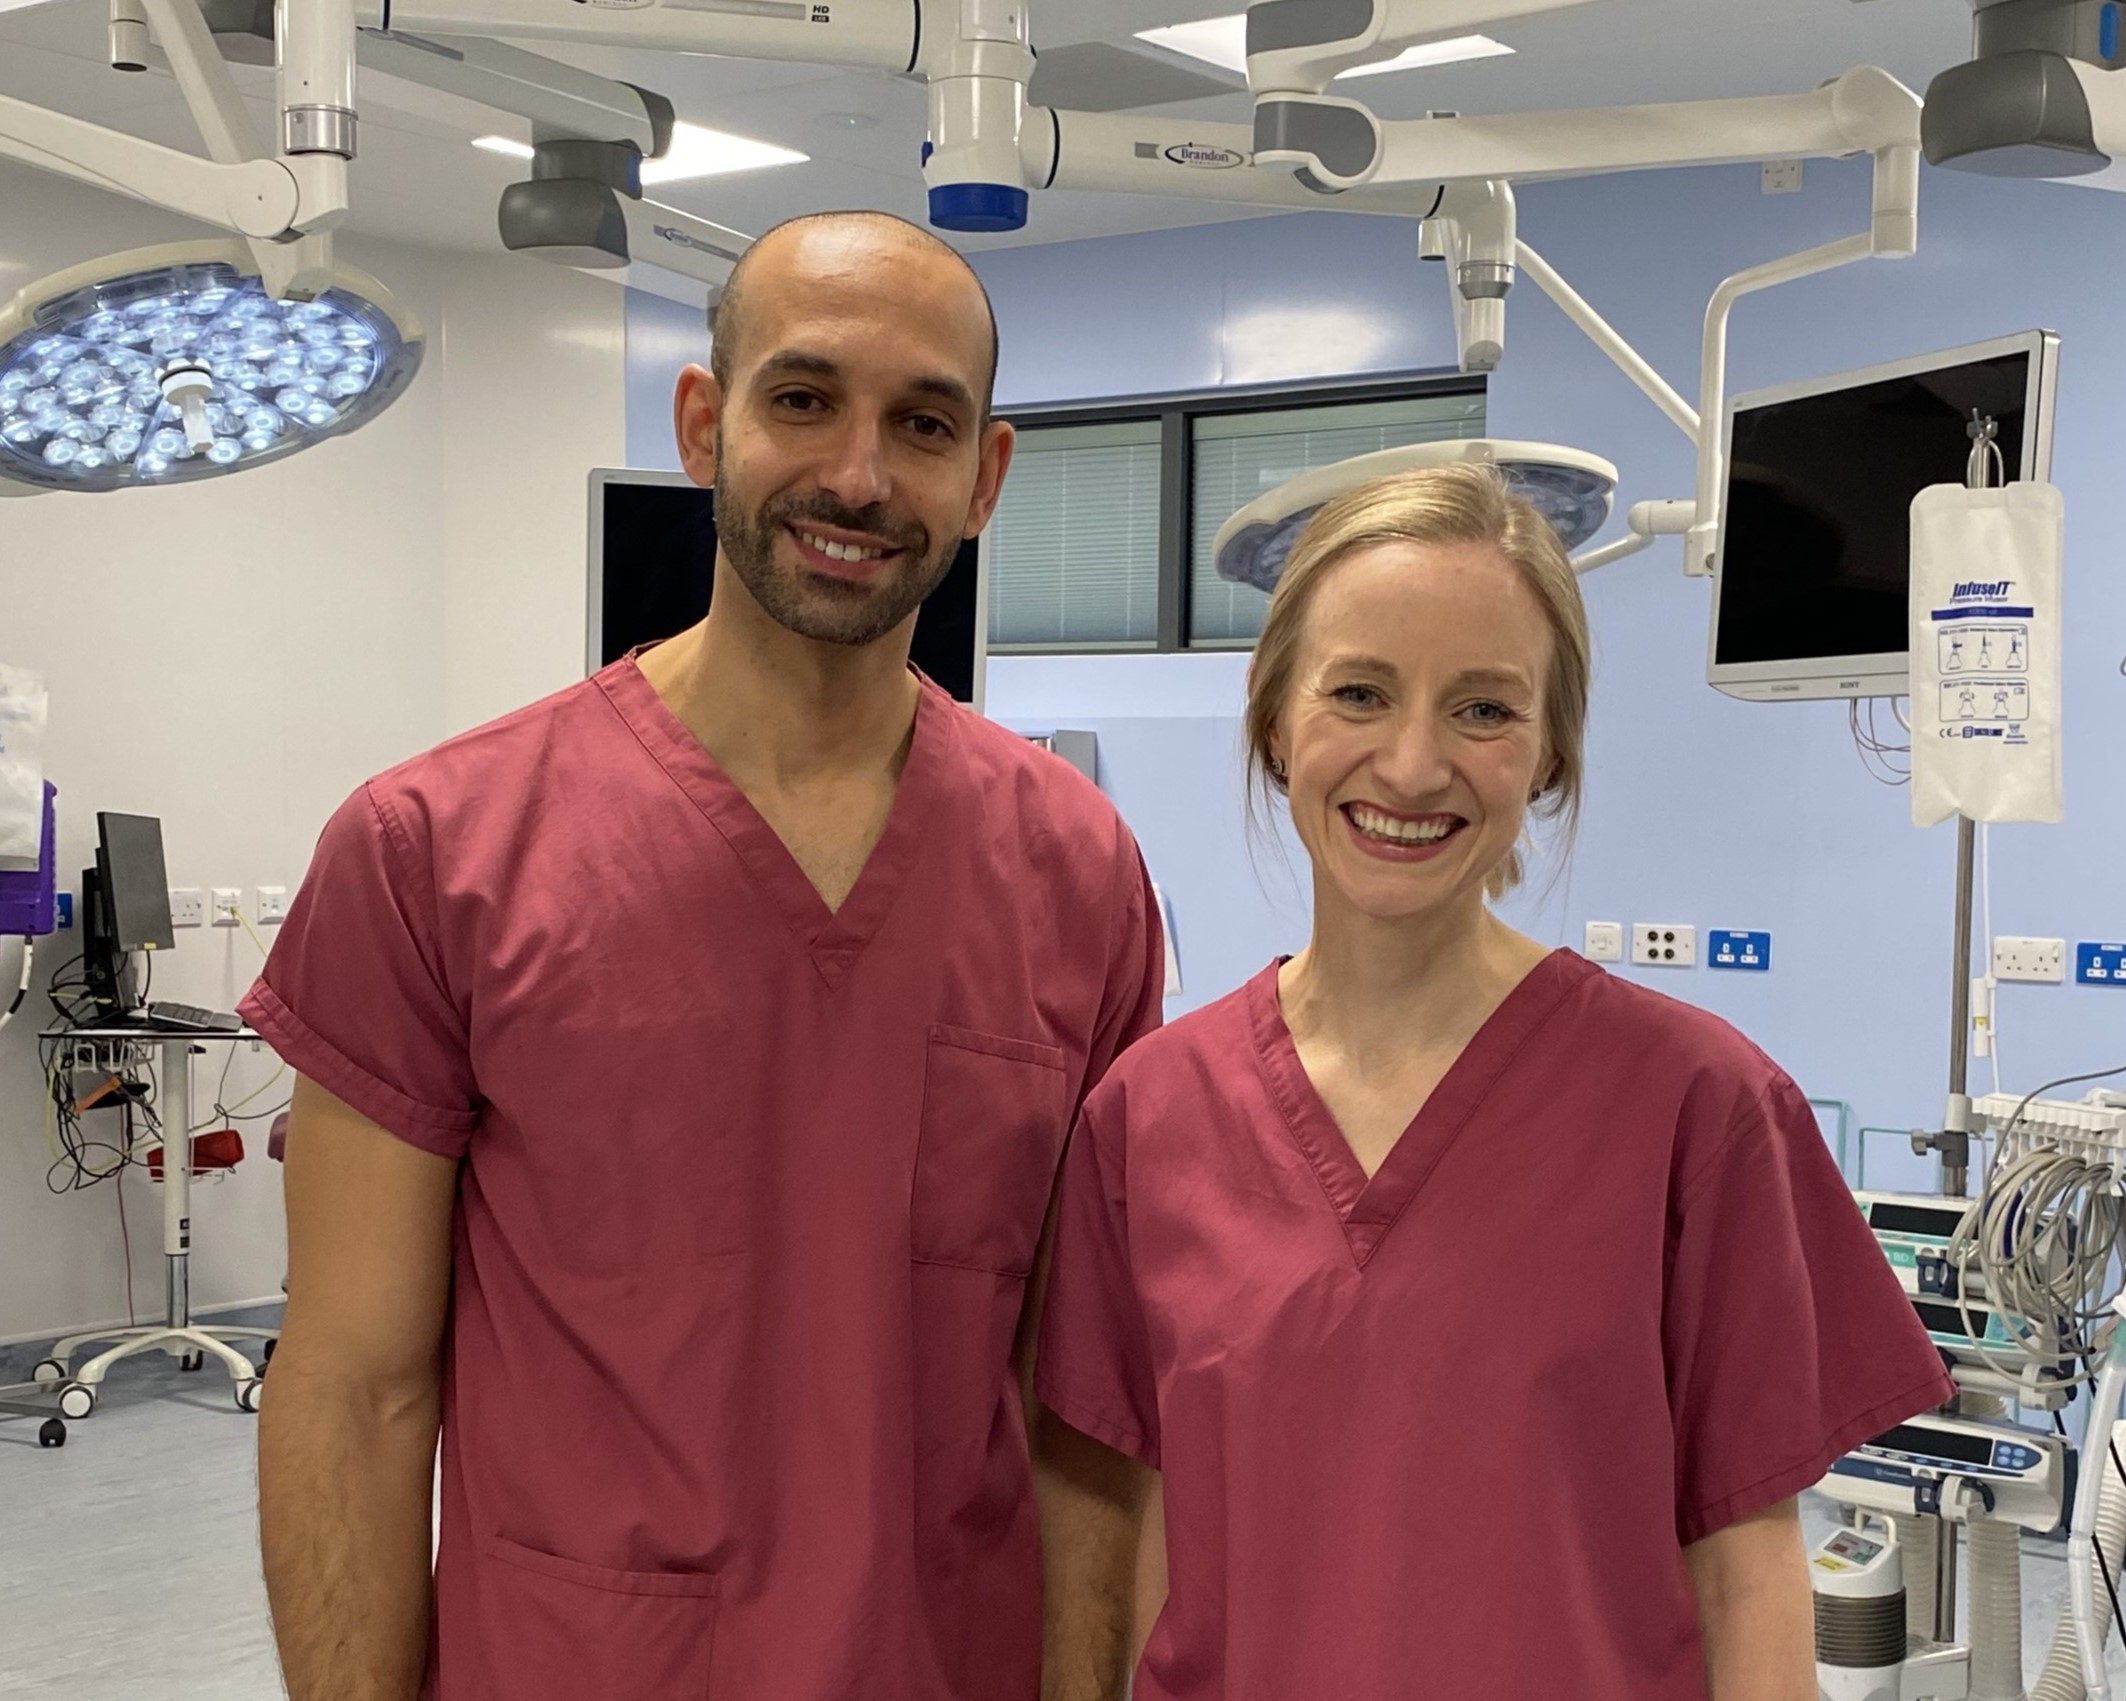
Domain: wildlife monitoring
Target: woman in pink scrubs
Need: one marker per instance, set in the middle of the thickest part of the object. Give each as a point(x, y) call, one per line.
point(1482, 1314)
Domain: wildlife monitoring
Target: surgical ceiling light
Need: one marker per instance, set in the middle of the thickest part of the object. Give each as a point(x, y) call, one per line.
point(1572, 488)
point(174, 363)
point(1224, 42)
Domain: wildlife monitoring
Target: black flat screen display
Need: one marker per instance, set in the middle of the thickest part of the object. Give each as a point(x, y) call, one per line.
point(1816, 551)
point(659, 571)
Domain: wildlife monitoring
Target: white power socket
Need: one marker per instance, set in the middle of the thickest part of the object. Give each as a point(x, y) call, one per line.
point(1605, 942)
point(228, 906)
point(1664, 945)
point(2039, 960)
point(188, 907)
point(272, 905)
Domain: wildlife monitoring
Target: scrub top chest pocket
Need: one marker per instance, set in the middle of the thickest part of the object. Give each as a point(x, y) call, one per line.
point(992, 1134)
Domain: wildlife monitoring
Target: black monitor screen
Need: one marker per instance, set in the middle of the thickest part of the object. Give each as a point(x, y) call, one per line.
point(658, 572)
point(1816, 552)
point(139, 887)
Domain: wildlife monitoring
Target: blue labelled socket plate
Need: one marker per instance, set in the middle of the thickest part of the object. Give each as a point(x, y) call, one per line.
point(2100, 965)
point(1750, 952)
point(65, 901)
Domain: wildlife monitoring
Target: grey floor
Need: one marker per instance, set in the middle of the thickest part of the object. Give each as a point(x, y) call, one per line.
point(132, 1569)
point(131, 1553)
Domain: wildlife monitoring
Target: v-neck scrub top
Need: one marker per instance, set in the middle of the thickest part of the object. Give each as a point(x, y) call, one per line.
point(750, 1190)
point(1446, 1433)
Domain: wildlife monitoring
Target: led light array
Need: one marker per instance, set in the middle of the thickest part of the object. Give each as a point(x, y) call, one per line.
point(83, 396)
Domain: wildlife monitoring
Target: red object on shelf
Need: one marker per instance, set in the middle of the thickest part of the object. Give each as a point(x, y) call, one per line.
point(222, 1149)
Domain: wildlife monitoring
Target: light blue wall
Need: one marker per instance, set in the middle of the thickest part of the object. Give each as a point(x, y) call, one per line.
point(1699, 808)
point(662, 339)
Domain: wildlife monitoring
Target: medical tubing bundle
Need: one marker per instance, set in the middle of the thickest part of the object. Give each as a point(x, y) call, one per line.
point(1920, 1539)
point(1996, 1612)
point(2041, 1238)
point(2063, 1676)
point(1996, 1600)
point(2098, 1533)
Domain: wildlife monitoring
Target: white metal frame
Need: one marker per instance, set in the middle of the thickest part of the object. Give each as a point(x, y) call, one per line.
point(80, 1389)
point(1877, 675)
point(284, 205)
point(976, 59)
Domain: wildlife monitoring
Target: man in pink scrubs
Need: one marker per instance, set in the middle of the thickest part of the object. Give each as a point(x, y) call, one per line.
point(686, 1061)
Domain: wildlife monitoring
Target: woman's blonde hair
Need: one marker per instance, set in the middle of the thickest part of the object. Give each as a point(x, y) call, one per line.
point(1437, 505)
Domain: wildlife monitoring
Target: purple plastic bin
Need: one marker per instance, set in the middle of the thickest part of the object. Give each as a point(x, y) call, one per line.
point(26, 895)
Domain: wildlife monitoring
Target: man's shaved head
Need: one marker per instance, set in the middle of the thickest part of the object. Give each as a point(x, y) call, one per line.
point(845, 423)
point(727, 319)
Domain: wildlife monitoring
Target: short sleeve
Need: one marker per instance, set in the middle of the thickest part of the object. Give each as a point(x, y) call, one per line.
point(354, 994)
point(1788, 1338)
point(1095, 1367)
point(1133, 1003)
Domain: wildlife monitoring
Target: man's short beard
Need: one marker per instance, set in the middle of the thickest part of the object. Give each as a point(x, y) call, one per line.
point(817, 606)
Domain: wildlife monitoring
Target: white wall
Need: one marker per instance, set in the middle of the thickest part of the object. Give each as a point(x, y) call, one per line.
point(236, 656)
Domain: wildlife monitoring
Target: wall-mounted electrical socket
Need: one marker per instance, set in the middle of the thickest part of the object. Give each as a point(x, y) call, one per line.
point(228, 906)
point(1746, 953)
point(1605, 942)
point(1664, 945)
point(188, 907)
point(1781, 177)
point(272, 905)
point(2040, 960)
point(2100, 965)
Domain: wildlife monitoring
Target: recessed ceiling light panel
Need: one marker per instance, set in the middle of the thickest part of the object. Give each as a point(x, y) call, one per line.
point(1224, 42)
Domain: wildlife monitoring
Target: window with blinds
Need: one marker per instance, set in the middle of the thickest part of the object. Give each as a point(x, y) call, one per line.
point(1074, 546)
point(1238, 457)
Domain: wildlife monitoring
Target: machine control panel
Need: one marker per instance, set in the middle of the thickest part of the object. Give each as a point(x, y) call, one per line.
point(1962, 1469)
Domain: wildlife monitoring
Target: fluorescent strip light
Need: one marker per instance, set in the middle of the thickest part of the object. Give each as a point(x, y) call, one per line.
point(695, 152)
point(700, 152)
point(1454, 51)
point(1224, 42)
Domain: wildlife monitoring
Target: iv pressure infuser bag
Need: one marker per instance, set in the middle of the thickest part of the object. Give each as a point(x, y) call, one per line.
point(22, 715)
point(1986, 653)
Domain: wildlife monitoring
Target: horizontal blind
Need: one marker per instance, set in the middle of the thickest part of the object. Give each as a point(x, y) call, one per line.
point(1074, 546)
point(1239, 457)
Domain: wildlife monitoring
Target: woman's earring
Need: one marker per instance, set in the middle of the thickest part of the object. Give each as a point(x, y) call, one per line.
point(1277, 769)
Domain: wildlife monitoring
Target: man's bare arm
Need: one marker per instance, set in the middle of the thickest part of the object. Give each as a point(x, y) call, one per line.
point(1755, 1610)
point(347, 1427)
point(1093, 1512)
point(1093, 1503)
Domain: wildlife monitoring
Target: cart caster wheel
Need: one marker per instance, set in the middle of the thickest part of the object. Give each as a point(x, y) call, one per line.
point(77, 1401)
point(247, 1393)
point(49, 1374)
point(53, 1434)
point(191, 1361)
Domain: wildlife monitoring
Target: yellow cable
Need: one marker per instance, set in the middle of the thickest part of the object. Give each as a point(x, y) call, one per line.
point(248, 928)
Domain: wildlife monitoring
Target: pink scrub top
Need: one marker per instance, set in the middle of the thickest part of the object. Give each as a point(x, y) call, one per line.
point(750, 1190)
point(1447, 1433)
